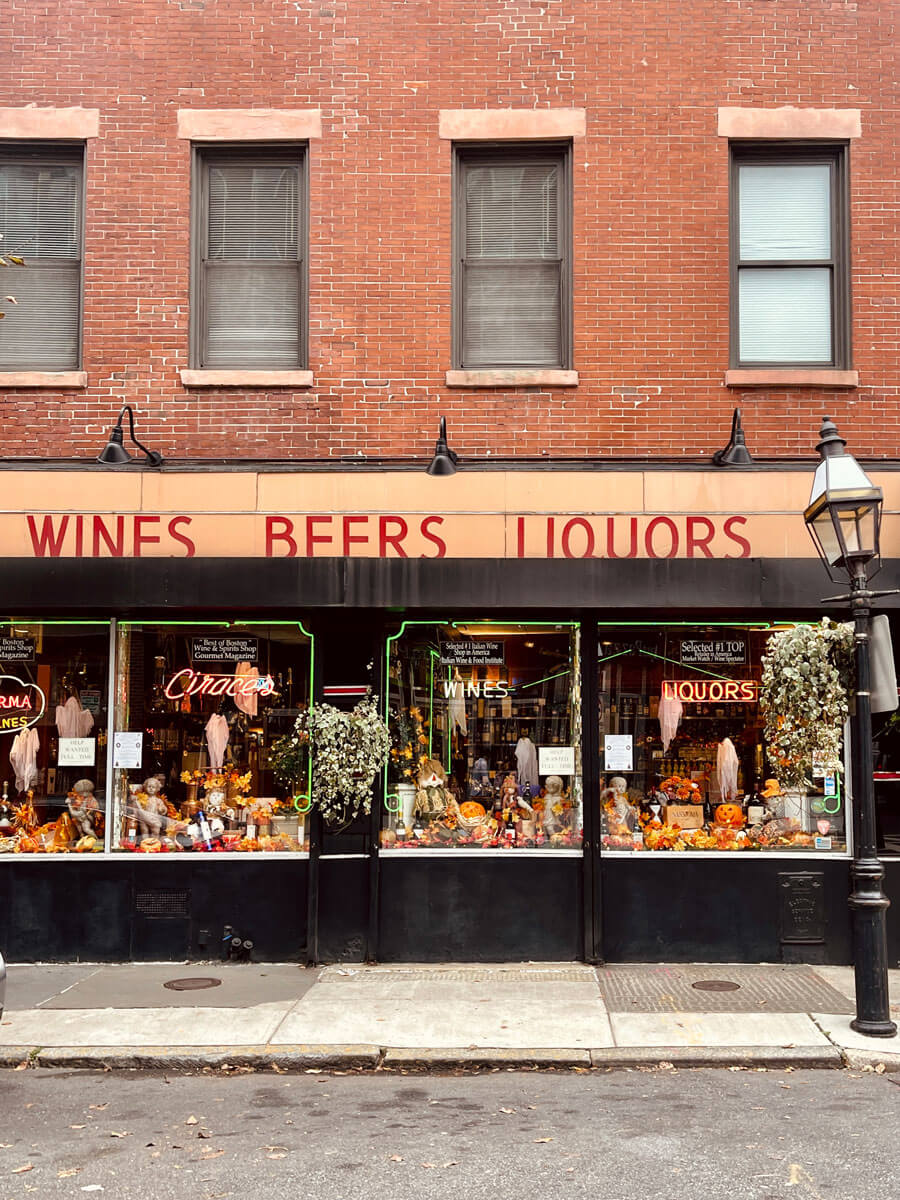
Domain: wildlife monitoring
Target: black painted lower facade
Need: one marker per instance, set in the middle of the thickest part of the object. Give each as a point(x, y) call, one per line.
point(430, 911)
point(349, 901)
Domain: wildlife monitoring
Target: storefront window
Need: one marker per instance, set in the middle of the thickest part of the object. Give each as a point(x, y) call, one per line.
point(683, 752)
point(199, 709)
point(53, 736)
point(485, 721)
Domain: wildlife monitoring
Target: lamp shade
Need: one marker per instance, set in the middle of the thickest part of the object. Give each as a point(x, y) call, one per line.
point(445, 460)
point(114, 452)
point(844, 511)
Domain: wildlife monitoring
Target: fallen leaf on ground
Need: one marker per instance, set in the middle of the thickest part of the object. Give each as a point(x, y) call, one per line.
point(118, 1133)
point(430, 1165)
point(276, 1156)
point(395, 1158)
point(68, 1173)
point(192, 1121)
point(212, 1153)
point(93, 1187)
point(78, 1126)
point(22, 1170)
point(454, 1163)
point(543, 1139)
point(100, 1107)
point(508, 1111)
point(879, 1068)
point(203, 1133)
point(23, 1066)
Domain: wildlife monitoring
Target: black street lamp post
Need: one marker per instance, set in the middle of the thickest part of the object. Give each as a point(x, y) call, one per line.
point(844, 519)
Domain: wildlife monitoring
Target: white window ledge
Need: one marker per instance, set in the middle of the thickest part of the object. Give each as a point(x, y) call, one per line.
point(43, 379)
point(249, 379)
point(511, 378)
point(749, 377)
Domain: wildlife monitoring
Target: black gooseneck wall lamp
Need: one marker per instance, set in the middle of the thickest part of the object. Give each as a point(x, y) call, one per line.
point(735, 454)
point(445, 460)
point(844, 519)
point(114, 453)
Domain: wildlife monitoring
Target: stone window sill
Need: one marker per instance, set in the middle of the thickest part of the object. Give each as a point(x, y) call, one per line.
point(43, 379)
point(811, 377)
point(248, 379)
point(511, 378)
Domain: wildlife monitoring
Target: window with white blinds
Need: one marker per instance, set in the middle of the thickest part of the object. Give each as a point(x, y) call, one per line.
point(251, 270)
point(41, 222)
point(789, 257)
point(511, 281)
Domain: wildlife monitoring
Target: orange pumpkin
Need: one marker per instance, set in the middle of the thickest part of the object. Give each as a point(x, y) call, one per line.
point(470, 810)
point(730, 815)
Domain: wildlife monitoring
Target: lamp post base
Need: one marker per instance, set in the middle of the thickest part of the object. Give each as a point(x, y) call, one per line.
point(868, 908)
point(884, 1029)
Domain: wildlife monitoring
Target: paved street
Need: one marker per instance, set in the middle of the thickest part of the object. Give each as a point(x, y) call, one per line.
point(622, 1135)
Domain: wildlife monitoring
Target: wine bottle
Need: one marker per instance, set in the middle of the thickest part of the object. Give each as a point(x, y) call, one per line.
point(205, 831)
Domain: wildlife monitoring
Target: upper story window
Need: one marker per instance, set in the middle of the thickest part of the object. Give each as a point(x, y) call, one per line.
point(790, 302)
point(512, 261)
point(249, 259)
point(41, 207)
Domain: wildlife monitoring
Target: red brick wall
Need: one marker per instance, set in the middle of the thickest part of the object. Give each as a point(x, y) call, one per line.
point(650, 229)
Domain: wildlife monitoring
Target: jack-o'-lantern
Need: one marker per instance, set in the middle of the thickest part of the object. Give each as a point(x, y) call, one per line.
point(730, 815)
point(471, 809)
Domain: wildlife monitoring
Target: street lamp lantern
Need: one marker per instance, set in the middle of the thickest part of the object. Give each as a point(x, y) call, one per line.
point(844, 511)
point(844, 519)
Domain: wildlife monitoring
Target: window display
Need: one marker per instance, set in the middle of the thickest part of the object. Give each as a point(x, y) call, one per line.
point(200, 713)
point(485, 722)
point(687, 764)
point(53, 736)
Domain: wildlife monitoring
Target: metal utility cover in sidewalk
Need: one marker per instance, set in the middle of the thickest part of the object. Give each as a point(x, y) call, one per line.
point(670, 988)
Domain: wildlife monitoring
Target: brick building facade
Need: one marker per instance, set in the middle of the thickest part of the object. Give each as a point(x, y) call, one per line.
point(292, 236)
point(649, 203)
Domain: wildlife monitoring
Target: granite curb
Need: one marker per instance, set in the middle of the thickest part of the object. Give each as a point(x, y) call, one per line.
point(371, 1058)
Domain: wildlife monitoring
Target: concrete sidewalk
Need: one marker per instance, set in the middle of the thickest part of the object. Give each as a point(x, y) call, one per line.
point(190, 1016)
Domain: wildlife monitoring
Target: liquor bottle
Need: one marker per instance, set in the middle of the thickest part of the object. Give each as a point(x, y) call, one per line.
point(205, 831)
point(5, 810)
point(511, 826)
point(756, 806)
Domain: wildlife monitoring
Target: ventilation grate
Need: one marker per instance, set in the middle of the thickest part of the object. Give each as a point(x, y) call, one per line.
point(162, 902)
